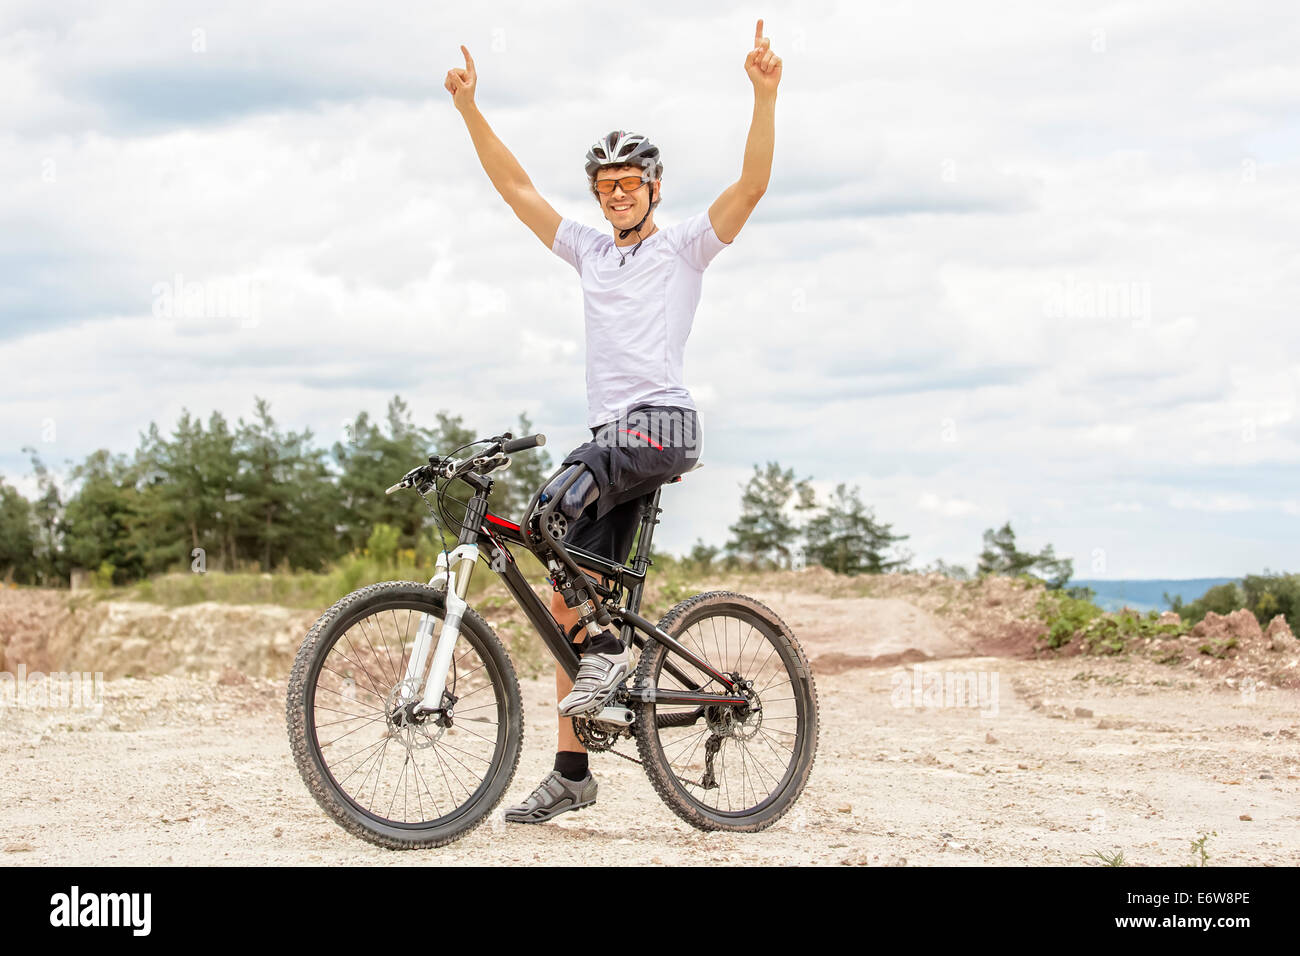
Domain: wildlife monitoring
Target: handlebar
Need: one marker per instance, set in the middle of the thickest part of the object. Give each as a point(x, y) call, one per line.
point(488, 459)
point(523, 444)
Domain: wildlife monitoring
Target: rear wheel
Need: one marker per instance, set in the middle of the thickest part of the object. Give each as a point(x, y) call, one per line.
point(725, 767)
point(383, 772)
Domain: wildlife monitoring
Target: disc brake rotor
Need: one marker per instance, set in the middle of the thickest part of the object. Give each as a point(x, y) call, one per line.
point(415, 730)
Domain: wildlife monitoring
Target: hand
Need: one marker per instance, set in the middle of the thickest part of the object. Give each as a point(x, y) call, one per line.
point(762, 65)
point(461, 83)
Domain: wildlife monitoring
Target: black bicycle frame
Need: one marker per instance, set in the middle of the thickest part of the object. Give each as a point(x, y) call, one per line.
point(492, 534)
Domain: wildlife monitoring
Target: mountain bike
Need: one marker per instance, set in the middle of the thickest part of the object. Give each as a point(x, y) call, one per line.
point(403, 707)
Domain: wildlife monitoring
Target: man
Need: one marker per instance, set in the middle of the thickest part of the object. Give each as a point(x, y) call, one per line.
point(640, 290)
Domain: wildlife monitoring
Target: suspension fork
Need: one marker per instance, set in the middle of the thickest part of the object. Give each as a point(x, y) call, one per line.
point(453, 573)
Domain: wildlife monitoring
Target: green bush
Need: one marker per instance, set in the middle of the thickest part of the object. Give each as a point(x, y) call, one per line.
point(1218, 647)
point(1101, 633)
point(103, 577)
point(1112, 633)
point(1221, 599)
point(1264, 595)
point(382, 544)
point(1065, 616)
point(1267, 595)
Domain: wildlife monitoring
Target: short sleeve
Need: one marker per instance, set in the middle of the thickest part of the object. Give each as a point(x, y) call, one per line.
point(697, 242)
point(573, 242)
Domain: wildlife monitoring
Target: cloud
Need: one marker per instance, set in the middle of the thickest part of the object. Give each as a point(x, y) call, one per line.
point(945, 506)
point(888, 317)
point(1225, 502)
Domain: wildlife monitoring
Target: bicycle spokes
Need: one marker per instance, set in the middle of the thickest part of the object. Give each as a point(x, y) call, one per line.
point(391, 760)
point(730, 759)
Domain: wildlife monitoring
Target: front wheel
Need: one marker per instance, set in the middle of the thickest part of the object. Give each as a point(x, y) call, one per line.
point(726, 767)
point(383, 772)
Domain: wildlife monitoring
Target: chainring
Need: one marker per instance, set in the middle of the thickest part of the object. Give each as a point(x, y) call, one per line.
point(597, 736)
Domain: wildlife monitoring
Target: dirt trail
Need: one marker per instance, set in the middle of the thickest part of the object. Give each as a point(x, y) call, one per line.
point(1072, 756)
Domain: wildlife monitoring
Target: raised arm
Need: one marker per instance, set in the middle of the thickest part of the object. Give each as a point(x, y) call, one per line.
point(730, 210)
point(502, 168)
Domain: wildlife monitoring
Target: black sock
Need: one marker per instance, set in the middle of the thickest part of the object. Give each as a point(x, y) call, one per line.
point(571, 766)
point(603, 643)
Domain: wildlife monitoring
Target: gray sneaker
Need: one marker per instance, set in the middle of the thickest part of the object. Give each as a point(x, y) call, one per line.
point(553, 796)
point(598, 676)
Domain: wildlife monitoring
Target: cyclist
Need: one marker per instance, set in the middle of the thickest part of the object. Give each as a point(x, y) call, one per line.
point(640, 290)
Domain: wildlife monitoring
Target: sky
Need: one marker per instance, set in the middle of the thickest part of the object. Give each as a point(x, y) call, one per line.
point(1031, 262)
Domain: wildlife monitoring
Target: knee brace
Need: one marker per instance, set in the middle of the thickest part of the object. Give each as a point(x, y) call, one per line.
point(580, 494)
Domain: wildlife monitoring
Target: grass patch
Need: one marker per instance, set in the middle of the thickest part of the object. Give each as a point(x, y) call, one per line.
point(299, 589)
point(1110, 859)
point(1216, 647)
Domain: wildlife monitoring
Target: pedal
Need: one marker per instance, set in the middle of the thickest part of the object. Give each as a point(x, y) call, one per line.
point(622, 716)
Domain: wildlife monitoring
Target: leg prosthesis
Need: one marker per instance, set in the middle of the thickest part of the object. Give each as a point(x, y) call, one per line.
point(580, 494)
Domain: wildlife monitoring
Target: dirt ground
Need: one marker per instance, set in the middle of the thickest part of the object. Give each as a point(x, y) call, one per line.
point(1058, 760)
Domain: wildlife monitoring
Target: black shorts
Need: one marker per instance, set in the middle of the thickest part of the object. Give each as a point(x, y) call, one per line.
point(631, 458)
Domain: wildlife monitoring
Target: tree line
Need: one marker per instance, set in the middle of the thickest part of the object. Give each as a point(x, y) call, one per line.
point(1264, 595)
point(252, 495)
point(247, 496)
point(845, 536)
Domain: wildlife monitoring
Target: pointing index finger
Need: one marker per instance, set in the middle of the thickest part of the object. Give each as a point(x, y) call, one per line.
point(758, 33)
point(469, 60)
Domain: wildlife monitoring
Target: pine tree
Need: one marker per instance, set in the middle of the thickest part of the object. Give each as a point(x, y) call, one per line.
point(702, 556)
point(764, 535)
point(848, 539)
point(97, 516)
point(17, 540)
point(370, 461)
point(285, 492)
point(1000, 556)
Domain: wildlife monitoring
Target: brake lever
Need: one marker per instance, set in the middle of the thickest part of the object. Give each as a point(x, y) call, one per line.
point(408, 479)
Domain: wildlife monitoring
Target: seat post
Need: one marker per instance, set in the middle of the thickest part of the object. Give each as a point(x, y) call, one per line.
point(641, 561)
point(649, 518)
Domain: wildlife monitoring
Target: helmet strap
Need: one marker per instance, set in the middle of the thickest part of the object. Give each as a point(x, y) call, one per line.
point(637, 229)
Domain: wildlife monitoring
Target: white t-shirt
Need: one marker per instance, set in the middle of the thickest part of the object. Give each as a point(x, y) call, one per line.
point(638, 315)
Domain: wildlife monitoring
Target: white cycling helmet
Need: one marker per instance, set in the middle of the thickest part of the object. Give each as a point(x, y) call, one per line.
point(621, 148)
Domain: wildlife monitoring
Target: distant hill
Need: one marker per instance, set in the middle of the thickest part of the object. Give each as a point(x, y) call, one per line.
point(1147, 595)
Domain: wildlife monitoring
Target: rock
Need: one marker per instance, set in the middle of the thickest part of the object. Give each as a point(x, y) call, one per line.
point(19, 848)
point(1240, 624)
point(1022, 766)
point(1082, 712)
point(230, 677)
point(843, 808)
point(1244, 816)
point(1169, 617)
point(1278, 634)
point(990, 739)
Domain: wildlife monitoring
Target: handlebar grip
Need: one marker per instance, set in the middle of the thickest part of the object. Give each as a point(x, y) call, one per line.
point(523, 444)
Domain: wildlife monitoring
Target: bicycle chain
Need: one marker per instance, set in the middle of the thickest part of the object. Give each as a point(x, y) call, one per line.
point(593, 745)
point(625, 757)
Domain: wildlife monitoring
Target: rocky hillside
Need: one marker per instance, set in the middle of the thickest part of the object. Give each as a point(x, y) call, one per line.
point(844, 623)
